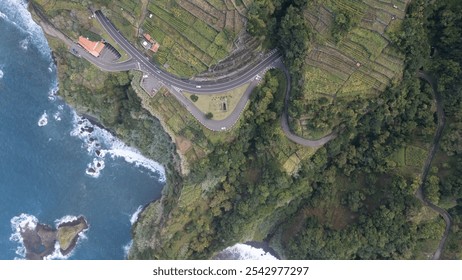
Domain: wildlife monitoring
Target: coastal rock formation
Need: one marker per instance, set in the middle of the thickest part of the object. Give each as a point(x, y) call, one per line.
point(42, 240)
point(68, 234)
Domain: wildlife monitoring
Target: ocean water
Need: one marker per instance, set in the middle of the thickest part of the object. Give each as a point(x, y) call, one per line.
point(50, 170)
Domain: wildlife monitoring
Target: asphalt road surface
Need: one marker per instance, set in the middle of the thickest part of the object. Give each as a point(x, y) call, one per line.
point(436, 139)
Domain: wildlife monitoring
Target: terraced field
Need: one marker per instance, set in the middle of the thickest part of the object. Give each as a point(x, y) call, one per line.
point(72, 17)
point(361, 64)
point(194, 34)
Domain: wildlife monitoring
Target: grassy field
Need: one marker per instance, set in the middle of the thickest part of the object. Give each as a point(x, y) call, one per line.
point(362, 63)
point(214, 103)
point(409, 156)
point(291, 163)
point(193, 34)
point(415, 156)
point(399, 157)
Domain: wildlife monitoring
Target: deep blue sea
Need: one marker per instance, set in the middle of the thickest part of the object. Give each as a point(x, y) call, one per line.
point(45, 157)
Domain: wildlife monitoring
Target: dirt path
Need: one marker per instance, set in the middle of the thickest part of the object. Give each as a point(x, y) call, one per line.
point(144, 11)
point(439, 131)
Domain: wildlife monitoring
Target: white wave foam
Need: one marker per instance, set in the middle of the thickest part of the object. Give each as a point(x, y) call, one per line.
point(135, 215)
point(1, 74)
point(57, 116)
point(23, 221)
point(53, 92)
point(247, 252)
point(43, 119)
point(3, 16)
point(51, 66)
point(19, 15)
point(127, 248)
point(65, 219)
point(100, 142)
point(94, 168)
point(57, 255)
point(132, 155)
point(24, 44)
point(18, 224)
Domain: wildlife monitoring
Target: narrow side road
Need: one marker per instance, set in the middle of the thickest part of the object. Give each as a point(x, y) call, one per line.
point(285, 119)
point(436, 140)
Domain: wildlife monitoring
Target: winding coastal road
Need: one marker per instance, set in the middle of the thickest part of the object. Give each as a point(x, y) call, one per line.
point(436, 139)
point(197, 87)
point(138, 61)
point(176, 85)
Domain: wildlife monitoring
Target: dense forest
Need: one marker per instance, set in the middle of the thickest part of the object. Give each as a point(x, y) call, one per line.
point(445, 34)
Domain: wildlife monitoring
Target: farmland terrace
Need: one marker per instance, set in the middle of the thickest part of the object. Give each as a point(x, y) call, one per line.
point(196, 35)
point(351, 65)
point(205, 37)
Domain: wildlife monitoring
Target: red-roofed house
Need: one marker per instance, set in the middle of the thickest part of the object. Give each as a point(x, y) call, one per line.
point(94, 48)
point(155, 47)
point(147, 37)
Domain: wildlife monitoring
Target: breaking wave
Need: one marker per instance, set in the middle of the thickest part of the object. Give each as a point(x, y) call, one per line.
point(57, 255)
point(127, 248)
point(131, 155)
point(43, 119)
point(1, 74)
point(19, 16)
point(245, 252)
point(3, 16)
point(99, 143)
point(53, 93)
point(65, 219)
point(135, 215)
point(24, 44)
point(18, 223)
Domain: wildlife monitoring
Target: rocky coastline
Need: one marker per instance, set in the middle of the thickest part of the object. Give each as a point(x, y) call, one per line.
point(42, 240)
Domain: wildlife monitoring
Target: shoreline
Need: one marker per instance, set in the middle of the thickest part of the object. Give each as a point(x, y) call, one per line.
point(93, 120)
